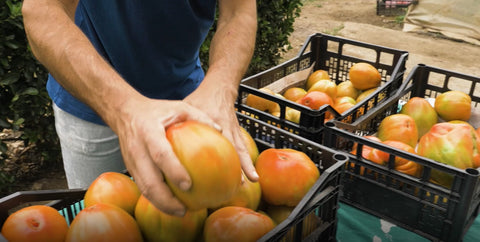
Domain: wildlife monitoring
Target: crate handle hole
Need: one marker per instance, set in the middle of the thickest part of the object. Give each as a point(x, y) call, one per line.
point(473, 172)
point(340, 157)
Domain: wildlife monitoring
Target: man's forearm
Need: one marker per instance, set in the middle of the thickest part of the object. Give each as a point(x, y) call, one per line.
point(232, 46)
point(70, 57)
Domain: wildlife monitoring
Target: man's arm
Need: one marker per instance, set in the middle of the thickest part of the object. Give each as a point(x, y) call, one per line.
point(138, 121)
point(231, 51)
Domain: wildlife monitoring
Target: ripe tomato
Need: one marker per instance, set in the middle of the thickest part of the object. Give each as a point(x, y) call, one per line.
point(211, 161)
point(454, 105)
point(454, 144)
point(159, 226)
point(236, 224)
point(262, 104)
point(400, 127)
point(316, 76)
point(315, 100)
point(103, 222)
point(364, 76)
point(248, 195)
point(403, 165)
point(35, 223)
point(113, 188)
point(286, 175)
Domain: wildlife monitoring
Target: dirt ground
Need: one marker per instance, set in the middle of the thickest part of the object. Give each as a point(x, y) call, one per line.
point(357, 20)
point(353, 19)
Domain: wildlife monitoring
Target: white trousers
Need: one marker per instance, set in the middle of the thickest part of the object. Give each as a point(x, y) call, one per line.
point(88, 149)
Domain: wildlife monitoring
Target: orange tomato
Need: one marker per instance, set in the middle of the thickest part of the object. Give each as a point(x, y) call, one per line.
point(35, 223)
point(365, 149)
point(113, 188)
point(210, 159)
point(315, 100)
point(286, 175)
point(159, 226)
point(422, 112)
point(400, 127)
point(262, 104)
point(326, 86)
point(294, 93)
point(346, 89)
point(403, 165)
point(103, 222)
point(248, 195)
point(316, 76)
point(364, 76)
point(453, 105)
point(236, 224)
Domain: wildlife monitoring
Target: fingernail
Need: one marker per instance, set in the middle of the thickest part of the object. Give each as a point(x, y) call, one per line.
point(185, 185)
point(255, 175)
point(217, 127)
point(179, 213)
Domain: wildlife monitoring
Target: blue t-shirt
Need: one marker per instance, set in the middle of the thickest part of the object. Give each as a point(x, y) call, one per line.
point(153, 44)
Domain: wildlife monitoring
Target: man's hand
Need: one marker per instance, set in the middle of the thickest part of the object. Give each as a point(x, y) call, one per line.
point(218, 104)
point(147, 153)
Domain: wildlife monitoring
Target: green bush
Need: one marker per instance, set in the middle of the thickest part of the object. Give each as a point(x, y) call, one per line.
point(24, 102)
point(25, 105)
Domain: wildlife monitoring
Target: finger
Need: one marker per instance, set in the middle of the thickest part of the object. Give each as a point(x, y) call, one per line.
point(153, 187)
point(189, 112)
point(245, 159)
point(151, 183)
point(164, 158)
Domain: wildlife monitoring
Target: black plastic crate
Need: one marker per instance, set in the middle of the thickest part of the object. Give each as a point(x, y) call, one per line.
point(393, 7)
point(313, 219)
point(335, 55)
point(436, 212)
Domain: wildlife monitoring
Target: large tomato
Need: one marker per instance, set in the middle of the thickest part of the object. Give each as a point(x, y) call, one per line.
point(400, 127)
point(422, 112)
point(285, 175)
point(103, 222)
point(327, 86)
point(35, 223)
point(365, 149)
point(159, 226)
point(248, 195)
point(403, 165)
point(236, 224)
point(315, 77)
point(262, 104)
point(454, 105)
point(211, 161)
point(364, 76)
point(113, 188)
point(294, 93)
point(315, 100)
point(367, 153)
point(454, 144)
point(278, 212)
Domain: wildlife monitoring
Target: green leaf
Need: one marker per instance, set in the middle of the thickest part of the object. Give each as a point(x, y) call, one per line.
point(9, 78)
point(15, 98)
point(12, 45)
point(19, 121)
point(30, 91)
